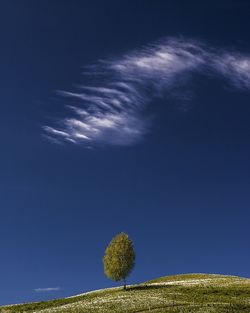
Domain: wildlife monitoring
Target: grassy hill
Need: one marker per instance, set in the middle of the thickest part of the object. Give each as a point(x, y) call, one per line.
point(181, 293)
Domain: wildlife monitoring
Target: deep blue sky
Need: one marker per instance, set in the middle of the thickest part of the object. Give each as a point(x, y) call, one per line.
point(182, 193)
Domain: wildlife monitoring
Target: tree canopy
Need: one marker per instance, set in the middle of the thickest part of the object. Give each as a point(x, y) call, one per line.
point(119, 258)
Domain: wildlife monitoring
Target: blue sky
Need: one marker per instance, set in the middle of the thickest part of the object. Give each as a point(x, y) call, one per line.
point(129, 116)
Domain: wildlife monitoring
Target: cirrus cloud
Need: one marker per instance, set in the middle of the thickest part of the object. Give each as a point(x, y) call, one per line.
point(111, 111)
point(47, 289)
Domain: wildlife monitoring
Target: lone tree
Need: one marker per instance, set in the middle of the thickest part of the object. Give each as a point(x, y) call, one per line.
point(119, 258)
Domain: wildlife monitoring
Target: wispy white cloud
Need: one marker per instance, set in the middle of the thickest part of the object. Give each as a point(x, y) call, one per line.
point(112, 110)
point(235, 67)
point(48, 289)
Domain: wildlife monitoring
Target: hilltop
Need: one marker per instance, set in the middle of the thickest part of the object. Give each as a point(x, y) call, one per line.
point(203, 293)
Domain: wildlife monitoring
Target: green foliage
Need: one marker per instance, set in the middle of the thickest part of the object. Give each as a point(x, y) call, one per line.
point(119, 258)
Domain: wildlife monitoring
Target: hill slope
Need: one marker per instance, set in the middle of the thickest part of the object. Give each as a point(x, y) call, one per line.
point(181, 293)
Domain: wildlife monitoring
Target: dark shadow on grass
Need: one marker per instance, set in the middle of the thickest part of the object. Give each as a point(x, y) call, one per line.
point(149, 287)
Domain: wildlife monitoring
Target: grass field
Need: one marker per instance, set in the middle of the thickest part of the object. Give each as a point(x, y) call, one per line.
point(181, 293)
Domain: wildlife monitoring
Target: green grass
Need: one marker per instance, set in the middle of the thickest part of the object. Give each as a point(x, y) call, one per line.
point(199, 293)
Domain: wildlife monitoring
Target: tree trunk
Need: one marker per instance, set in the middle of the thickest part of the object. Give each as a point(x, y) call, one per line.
point(124, 284)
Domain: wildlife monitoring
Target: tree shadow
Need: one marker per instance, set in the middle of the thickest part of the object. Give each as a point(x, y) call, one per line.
point(148, 287)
